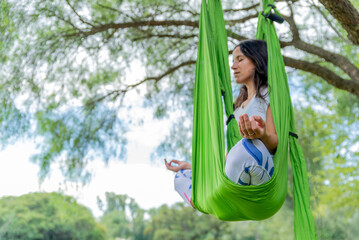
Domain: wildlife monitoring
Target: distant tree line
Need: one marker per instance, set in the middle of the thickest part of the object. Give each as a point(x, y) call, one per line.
point(55, 216)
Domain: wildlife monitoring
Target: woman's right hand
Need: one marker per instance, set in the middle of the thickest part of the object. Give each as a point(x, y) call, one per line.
point(251, 128)
point(180, 165)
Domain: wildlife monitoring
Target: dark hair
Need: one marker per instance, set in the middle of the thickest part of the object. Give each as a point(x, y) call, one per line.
point(256, 50)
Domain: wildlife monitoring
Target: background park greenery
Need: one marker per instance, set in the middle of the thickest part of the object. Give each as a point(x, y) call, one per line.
point(64, 82)
point(55, 216)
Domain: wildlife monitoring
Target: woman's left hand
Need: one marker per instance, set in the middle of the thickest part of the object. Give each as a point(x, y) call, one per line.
point(251, 128)
point(179, 165)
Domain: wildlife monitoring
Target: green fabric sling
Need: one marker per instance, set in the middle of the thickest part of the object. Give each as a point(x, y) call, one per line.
point(213, 192)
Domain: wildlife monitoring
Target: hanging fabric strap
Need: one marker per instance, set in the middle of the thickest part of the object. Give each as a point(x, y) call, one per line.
point(281, 106)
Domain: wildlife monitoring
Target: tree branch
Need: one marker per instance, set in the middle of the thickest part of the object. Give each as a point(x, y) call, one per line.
point(347, 16)
point(81, 19)
point(117, 93)
point(329, 76)
point(149, 23)
point(53, 14)
point(178, 36)
point(236, 36)
point(334, 58)
point(241, 9)
point(115, 10)
point(242, 20)
point(292, 25)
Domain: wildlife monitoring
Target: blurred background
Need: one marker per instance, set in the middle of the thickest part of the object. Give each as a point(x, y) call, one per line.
point(95, 94)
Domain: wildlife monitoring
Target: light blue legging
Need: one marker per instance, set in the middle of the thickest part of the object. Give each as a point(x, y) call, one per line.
point(248, 163)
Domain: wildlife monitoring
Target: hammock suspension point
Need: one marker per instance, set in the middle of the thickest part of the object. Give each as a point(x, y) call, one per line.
point(274, 17)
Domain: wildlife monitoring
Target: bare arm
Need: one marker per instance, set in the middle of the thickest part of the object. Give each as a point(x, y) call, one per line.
point(270, 138)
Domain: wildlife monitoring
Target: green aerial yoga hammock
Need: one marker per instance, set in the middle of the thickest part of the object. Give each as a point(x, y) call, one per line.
point(213, 192)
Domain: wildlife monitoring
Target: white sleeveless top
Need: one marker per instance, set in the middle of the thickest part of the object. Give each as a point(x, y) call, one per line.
point(256, 106)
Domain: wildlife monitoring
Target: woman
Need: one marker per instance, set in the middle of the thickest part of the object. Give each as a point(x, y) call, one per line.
point(250, 161)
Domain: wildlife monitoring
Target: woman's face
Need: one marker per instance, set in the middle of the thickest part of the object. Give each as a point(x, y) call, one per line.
point(243, 67)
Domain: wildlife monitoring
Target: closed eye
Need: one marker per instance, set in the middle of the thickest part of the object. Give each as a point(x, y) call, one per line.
point(239, 60)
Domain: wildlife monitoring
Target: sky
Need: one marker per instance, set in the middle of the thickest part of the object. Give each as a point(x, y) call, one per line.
point(150, 184)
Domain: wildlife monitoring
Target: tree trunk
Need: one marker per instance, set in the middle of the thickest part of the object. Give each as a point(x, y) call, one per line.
point(347, 16)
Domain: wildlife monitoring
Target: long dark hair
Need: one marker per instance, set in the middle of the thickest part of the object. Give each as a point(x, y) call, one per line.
point(256, 50)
